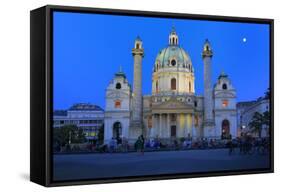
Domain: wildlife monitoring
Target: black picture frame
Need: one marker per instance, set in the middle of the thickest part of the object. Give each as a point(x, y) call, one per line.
point(41, 106)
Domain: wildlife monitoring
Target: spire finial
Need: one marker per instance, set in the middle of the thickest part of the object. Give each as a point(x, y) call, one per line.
point(173, 37)
point(173, 27)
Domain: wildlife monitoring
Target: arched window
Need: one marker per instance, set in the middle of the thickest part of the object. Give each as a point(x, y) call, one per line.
point(189, 86)
point(117, 104)
point(118, 86)
point(173, 84)
point(173, 40)
point(224, 86)
point(195, 103)
point(138, 46)
point(156, 86)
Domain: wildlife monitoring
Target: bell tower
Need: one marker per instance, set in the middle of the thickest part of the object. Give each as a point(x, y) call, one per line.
point(209, 123)
point(137, 105)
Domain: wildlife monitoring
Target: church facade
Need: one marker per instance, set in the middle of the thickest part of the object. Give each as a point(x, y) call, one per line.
point(173, 110)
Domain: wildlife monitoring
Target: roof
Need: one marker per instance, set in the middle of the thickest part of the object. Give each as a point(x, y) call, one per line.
point(85, 107)
point(60, 113)
point(120, 73)
point(222, 75)
point(245, 103)
point(172, 51)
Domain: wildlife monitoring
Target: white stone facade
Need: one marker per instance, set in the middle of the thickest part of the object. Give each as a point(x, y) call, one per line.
point(118, 107)
point(173, 110)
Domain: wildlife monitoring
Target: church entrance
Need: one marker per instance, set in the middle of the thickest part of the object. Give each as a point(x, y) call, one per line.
point(225, 132)
point(173, 131)
point(117, 130)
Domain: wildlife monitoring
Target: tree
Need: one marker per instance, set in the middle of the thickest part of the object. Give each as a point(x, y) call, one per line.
point(266, 118)
point(68, 134)
point(101, 134)
point(267, 94)
point(256, 123)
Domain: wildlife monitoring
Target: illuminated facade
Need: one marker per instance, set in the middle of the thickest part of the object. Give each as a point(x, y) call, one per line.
point(172, 110)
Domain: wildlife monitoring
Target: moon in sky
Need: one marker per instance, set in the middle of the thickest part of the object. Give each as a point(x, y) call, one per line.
point(244, 39)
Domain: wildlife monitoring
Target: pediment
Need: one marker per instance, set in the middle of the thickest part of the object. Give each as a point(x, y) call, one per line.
point(117, 94)
point(225, 94)
point(173, 104)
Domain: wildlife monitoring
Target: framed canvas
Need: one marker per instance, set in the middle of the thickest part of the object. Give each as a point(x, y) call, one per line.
point(125, 95)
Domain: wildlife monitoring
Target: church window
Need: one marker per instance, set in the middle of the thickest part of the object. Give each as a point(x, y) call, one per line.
point(117, 104)
point(224, 86)
point(138, 46)
point(173, 40)
point(173, 62)
point(195, 103)
point(118, 86)
point(173, 84)
point(225, 103)
point(189, 86)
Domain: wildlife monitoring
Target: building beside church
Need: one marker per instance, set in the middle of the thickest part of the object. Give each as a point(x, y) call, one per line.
point(173, 110)
point(245, 113)
point(86, 116)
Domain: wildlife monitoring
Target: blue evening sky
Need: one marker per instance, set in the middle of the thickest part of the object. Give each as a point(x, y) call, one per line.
point(90, 48)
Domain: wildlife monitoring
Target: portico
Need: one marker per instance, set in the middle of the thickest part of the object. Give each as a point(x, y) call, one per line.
point(173, 119)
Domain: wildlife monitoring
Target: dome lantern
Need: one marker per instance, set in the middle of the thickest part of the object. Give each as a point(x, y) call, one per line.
point(173, 37)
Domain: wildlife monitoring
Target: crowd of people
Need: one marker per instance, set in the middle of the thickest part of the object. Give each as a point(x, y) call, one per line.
point(242, 145)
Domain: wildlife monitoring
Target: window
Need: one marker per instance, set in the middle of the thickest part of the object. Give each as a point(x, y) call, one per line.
point(118, 85)
point(173, 62)
point(117, 104)
point(189, 86)
point(138, 46)
point(195, 103)
point(225, 103)
point(224, 86)
point(173, 84)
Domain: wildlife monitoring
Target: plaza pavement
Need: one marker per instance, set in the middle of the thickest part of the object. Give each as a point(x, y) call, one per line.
point(91, 166)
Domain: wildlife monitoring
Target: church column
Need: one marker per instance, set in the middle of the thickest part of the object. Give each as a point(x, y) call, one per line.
point(178, 124)
point(138, 54)
point(157, 125)
point(152, 134)
point(194, 133)
point(168, 126)
point(185, 124)
point(160, 125)
point(209, 123)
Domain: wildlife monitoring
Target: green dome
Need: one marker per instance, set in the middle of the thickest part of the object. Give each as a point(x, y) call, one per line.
point(173, 56)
